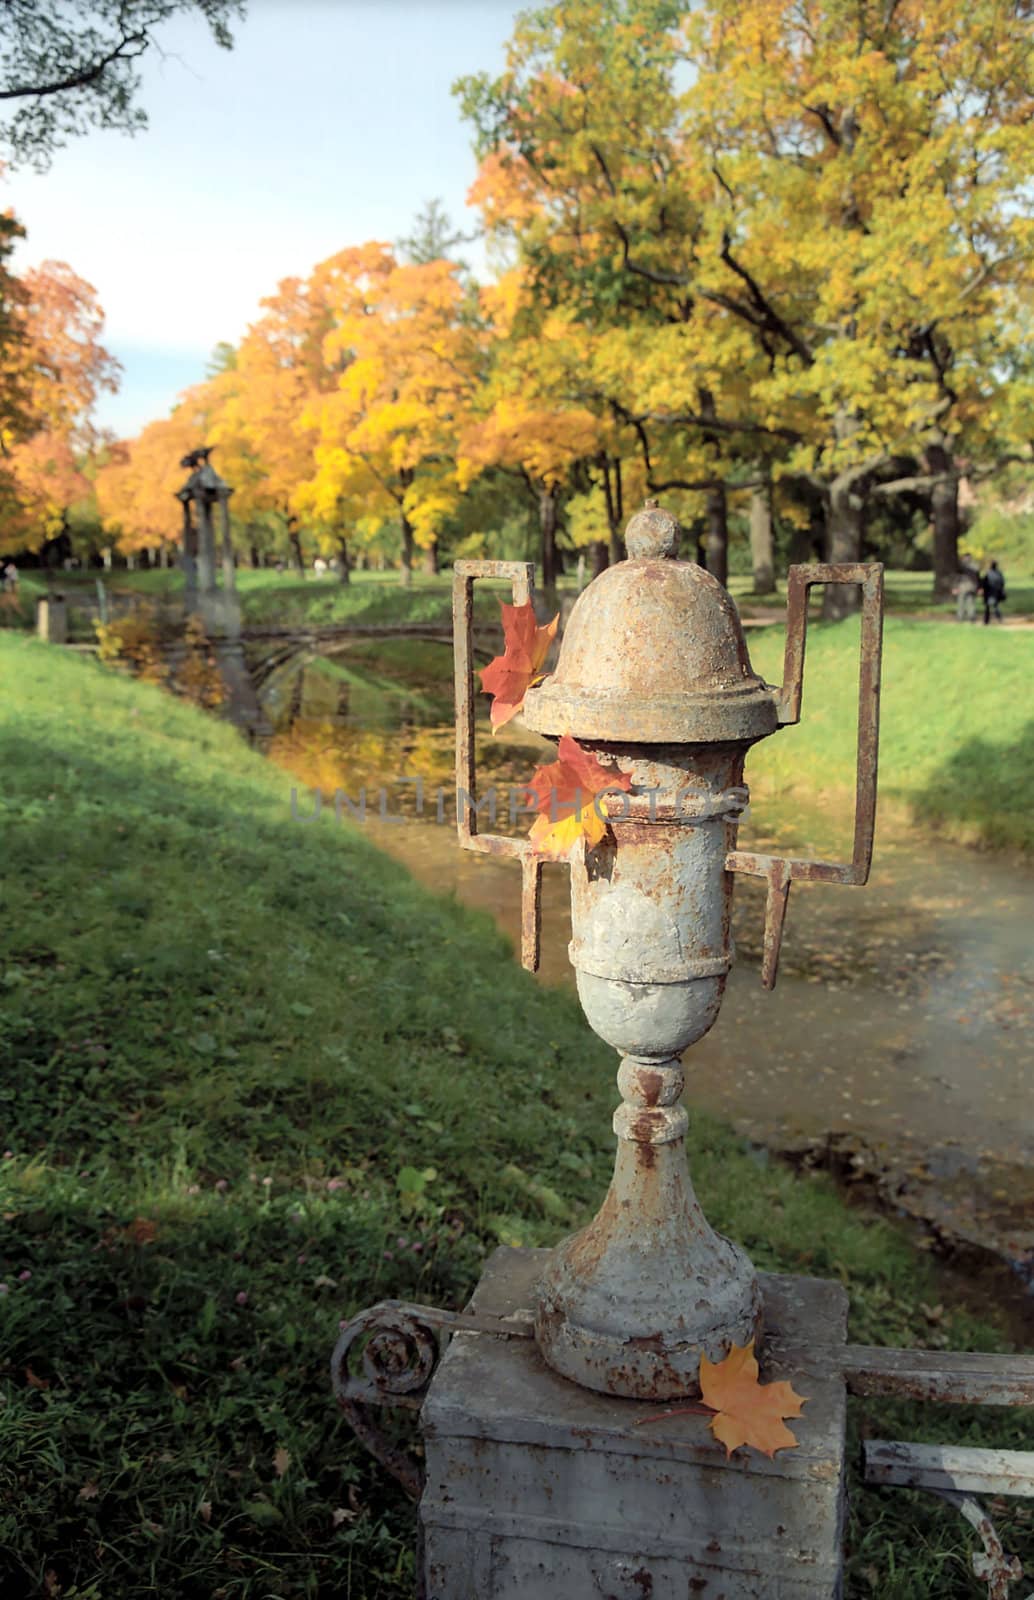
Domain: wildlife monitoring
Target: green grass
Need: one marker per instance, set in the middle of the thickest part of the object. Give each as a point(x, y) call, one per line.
point(267, 598)
point(270, 598)
point(254, 1078)
point(906, 593)
point(957, 725)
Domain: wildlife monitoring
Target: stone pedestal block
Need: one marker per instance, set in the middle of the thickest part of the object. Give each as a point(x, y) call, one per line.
point(539, 1489)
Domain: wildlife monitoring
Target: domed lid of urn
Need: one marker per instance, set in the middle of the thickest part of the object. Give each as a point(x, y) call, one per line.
point(653, 653)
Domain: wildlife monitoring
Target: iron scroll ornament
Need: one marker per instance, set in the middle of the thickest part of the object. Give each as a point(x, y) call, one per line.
point(403, 1345)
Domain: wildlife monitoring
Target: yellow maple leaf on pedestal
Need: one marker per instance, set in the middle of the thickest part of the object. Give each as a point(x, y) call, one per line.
point(749, 1412)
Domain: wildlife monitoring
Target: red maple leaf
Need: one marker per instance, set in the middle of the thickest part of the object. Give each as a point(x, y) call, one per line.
point(509, 677)
point(565, 792)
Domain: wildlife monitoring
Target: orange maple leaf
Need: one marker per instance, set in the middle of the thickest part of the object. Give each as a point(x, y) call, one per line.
point(565, 792)
point(509, 677)
point(749, 1412)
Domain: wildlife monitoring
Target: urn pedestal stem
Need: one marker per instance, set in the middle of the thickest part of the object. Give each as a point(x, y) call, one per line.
point(628, 1305)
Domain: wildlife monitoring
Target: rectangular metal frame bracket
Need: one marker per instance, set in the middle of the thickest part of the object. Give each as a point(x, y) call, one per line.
point(522, 580)
point(780, 871)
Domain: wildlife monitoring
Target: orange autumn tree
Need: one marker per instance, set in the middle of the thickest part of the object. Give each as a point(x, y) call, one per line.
point(407, 349)
point(136, 485)
point(48, 479)
point(61, 367)
point(260, 421)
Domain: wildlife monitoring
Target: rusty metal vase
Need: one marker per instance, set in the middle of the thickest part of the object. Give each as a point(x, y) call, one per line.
point(654, 678)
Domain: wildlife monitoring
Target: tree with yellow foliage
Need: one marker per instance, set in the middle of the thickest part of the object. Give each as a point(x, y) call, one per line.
point(872, 226)
point(406, 347)
point(809, 225)
point(581, 153)
point(526, 417)
point(262, 403)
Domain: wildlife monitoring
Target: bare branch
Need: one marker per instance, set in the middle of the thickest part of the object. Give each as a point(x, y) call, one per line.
point(692, 419)
point(772, 318)
point(86, 75)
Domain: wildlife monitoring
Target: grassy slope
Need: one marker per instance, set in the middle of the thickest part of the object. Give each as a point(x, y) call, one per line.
point(233, 1047)
point(957, 734)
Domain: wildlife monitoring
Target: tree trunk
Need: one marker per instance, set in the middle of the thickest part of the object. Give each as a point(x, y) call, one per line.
point(845, 529)
point(614, 494)
point(163, 556)
point(344, 571)
point(254, 559)
point(431, 559)
point(547, 530)
point(944, 505)
point(293, 539)
point(802, 543)
point(599, 550)
point(761, 558)
point(717, 534)
point(131, 562)
point(406, 573)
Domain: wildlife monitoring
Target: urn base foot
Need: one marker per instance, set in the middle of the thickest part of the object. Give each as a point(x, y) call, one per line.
point(644, 1340)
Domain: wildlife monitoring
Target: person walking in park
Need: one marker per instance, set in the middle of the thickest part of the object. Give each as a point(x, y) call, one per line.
point(992, 585)
point(967, 587)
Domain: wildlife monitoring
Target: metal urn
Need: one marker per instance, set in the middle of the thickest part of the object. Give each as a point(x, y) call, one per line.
point(654, 679)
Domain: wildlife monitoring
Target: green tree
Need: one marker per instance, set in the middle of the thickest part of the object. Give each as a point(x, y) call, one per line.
point(801, 236)
point(70, 65)
point(587, 176)
point(434, 237)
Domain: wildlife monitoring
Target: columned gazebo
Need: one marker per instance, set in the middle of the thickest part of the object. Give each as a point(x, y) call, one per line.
point(203, 490)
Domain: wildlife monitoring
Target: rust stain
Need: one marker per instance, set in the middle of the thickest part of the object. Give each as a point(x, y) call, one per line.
point(651, 1085)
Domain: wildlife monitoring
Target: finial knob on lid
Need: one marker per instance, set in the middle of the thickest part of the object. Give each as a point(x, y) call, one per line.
point(652, 532)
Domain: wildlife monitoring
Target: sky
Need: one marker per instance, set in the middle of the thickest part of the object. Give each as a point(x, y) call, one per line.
point(330, 122)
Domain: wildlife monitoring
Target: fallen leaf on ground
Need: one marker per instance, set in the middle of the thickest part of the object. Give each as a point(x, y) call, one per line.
point(565, 793)
point(34, 1382)
point(89, 1491)
point(281, 1460)
point(749, 1412)
point(509, 677)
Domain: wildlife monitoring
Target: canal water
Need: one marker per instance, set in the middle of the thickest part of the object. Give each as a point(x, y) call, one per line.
point(896, 1047)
